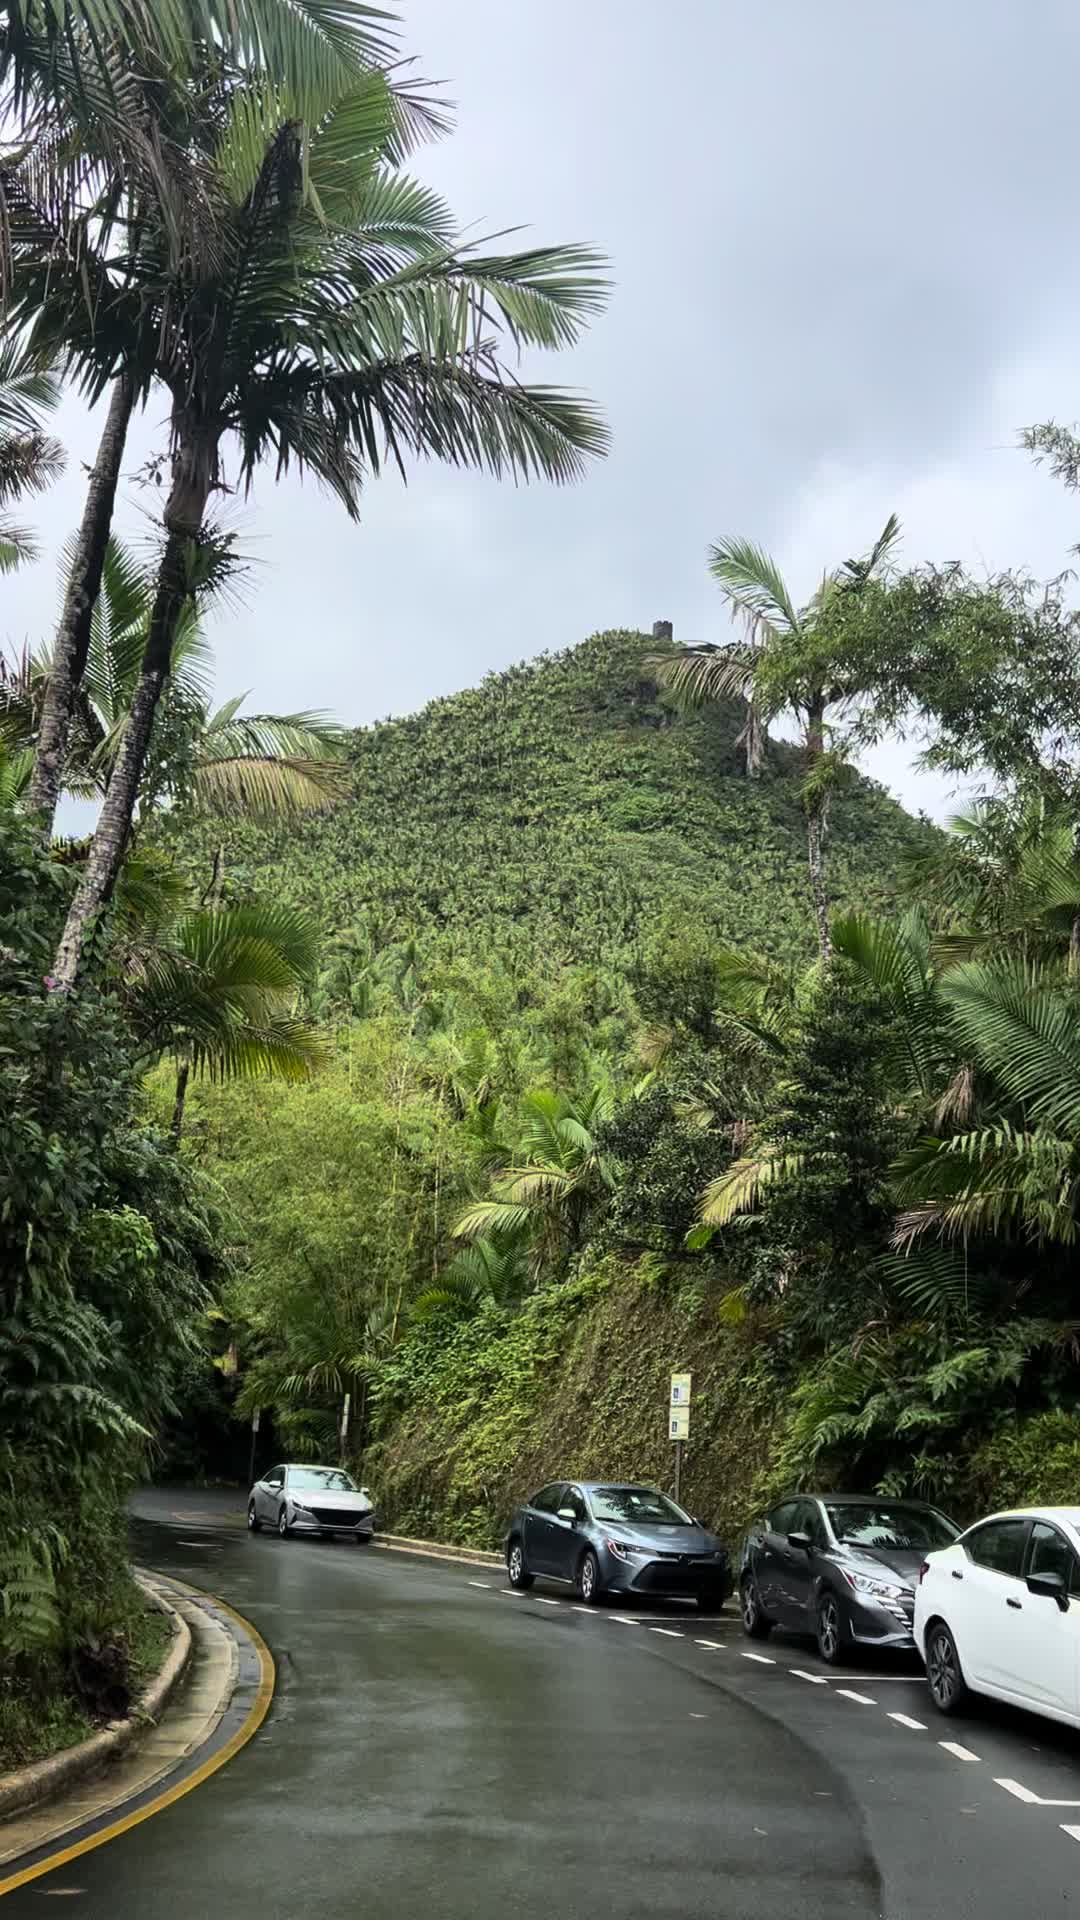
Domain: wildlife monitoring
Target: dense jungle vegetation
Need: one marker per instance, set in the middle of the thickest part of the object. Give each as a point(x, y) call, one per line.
point(487, 1065)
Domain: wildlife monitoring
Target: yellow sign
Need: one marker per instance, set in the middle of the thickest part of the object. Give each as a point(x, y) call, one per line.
point(680, 1389)
point(679, 1423)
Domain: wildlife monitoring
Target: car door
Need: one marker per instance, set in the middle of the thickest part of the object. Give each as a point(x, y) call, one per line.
point(268, 1492)
point(800, 1569)
point(772, 1557)
point(566, 1539)
point(1043, 1642)
point(540, 1528)
point(989, 1595)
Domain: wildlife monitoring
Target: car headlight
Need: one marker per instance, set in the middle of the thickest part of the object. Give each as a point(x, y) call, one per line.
point(298, 1505)
point(624, 1551)
point(877, 1589)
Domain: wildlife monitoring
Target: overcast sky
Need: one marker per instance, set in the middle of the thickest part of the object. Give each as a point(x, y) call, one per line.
point(844, 241)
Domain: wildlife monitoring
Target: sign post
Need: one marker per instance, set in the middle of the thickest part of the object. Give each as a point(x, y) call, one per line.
point(679, 1420)
point(254, 1438)
point(344, 1428)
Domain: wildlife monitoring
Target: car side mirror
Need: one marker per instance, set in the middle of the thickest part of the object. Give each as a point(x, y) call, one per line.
point(1049, 1586)
point(800, 1540)
point(566, 1513)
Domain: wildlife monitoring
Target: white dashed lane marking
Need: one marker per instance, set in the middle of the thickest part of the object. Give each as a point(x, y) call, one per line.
point(1032, 1799)
point(514, 1592)
point(861, 1699)
point(762, 1659)
point(958, 1752)
point(711, 1646)
point(486, 1585)
point(1073, 1832)
point(815, 1679)
point(621, 1620)
point(905, 1720)
point(542, 1601)
point(673, 1633)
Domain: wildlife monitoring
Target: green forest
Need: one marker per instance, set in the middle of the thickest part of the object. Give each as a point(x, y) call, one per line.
point(479, 1068)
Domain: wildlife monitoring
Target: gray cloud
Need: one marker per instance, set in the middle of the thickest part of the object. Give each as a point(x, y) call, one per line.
point(844, 240)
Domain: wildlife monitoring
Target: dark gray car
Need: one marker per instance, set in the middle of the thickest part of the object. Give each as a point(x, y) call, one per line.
point(843, 1567)
point(617, 1539)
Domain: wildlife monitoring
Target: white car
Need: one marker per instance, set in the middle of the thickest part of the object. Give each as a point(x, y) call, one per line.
point(301, 1498)
point(994, 1613)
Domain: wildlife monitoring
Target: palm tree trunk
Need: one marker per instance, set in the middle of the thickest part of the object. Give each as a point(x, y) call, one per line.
point(73, 633)
point(192, 469)
point(1074, 946)
point(815, 826)
point(176, 1127)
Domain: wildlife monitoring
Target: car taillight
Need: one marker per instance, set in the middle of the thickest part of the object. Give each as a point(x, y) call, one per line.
point(925, 1568)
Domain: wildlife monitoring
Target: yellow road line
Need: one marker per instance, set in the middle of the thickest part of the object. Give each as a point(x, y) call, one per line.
point(253, 1720)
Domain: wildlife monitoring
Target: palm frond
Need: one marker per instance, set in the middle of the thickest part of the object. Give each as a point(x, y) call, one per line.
point(738, 1188)
point(752, 583)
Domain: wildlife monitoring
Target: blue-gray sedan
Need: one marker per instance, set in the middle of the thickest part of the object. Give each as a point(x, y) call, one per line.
point(616, 1539)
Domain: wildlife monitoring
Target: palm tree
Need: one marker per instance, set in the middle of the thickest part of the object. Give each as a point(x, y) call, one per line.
point(30, 460)
point(216, 990)
point(104, 99)
point(781, 664)
point(341, 327)
point(561, 1172)
point(221, 762)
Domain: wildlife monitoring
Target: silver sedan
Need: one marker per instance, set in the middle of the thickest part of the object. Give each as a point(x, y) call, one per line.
point(307, 1499)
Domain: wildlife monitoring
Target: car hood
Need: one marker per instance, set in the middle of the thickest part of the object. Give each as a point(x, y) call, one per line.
point(904, 1562)
point(662, 1539)
point(341, 1502)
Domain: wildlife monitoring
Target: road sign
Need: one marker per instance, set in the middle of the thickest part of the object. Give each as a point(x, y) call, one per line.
point(680, 1389)
point(679, 1423)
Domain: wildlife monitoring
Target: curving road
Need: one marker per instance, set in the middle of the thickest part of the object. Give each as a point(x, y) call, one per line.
point(441, 1749)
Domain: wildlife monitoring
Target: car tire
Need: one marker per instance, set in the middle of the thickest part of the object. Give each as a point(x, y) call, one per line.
point(832, 1636)
point(283, 1527)
point(588, 1579)
point(944, 1674)
point(756, 1624)
point(517, 1571)
point(254, 1523)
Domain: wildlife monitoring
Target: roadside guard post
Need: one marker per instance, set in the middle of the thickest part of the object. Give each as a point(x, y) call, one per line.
point(679, 1419)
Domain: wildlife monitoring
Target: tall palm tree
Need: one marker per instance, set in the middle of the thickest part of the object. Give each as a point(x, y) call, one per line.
point(340, 327)
point(780, 665)
point(103, 97)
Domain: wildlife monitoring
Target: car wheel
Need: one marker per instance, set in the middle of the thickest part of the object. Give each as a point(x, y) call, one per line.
point(254, 1523)
point(755, 1623)
point(831, 1633)
point(588, 1579)
point(517, 1571)
point(283, 1526)
point(945, 1676)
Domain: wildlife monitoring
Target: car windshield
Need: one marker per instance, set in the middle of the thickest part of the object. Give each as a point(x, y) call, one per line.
point(321, 1480)
point(892, 1528)
point(638, 1507)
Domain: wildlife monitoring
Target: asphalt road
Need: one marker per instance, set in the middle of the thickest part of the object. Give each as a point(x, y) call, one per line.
point(440, 1749)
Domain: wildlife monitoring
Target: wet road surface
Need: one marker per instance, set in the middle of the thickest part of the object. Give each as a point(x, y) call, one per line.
point(439, 1747)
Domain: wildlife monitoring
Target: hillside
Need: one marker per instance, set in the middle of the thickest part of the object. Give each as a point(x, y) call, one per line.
point(561, 806)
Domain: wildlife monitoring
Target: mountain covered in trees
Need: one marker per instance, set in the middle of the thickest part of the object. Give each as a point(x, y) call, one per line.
point(560, 812)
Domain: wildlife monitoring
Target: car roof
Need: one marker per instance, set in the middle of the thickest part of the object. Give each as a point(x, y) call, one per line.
point(1069, 1514)
point(312, 1466)
point(856, 1500)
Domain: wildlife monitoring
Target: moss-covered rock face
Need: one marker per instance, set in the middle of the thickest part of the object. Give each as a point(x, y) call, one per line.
point(480, 1413)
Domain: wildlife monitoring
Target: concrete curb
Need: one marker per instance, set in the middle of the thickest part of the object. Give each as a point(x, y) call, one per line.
point(436, 1550)
point(44, 1779)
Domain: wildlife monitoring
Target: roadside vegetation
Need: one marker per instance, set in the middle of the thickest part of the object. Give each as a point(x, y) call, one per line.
point(480, 1068)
